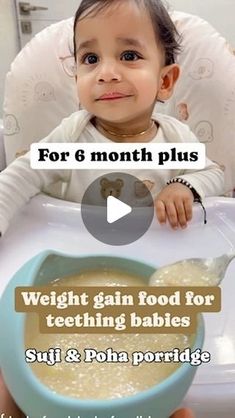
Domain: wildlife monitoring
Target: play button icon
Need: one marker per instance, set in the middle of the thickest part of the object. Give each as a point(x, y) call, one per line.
point(117, 208)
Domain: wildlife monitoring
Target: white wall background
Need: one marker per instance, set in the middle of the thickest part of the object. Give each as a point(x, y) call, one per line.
point(220, 13)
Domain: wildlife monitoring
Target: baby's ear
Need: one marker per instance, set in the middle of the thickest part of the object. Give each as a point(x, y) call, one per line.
point(169, 76)
point(119, 183)
point(104, 182)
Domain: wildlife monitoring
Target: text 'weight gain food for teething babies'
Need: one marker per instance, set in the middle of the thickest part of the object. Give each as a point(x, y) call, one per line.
point(102, 380)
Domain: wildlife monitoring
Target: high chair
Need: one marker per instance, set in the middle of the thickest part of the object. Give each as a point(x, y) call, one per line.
point(40, 89)
point(2, 150)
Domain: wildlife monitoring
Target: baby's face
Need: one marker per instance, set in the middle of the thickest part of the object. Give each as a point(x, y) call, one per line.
point(119, 63)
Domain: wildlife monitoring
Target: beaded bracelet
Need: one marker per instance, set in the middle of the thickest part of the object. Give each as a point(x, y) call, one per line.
point(196, 196)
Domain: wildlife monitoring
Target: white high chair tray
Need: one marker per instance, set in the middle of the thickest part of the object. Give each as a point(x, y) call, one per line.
point(48, 223)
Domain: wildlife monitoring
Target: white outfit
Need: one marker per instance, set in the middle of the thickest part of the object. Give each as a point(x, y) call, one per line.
point(19, 182)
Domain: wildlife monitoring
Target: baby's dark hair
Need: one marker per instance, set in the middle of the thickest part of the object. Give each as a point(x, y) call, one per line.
point(165, 30)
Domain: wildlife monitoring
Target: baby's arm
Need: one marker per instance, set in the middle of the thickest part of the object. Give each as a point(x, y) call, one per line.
point(19, 182)
point(206, 182)
point(174, 202)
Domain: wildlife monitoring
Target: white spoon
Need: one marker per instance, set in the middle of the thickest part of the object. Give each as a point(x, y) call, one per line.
point(193, 272)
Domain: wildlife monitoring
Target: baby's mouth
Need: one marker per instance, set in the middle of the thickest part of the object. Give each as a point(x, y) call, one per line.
point(113, 96)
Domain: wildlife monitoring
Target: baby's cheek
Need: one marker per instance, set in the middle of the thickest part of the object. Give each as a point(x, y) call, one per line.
point(148, 93)
point(84, 95)
point(149, 86)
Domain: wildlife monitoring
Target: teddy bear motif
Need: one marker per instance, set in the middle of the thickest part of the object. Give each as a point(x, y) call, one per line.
point(20, 153)
point(69, 65)
point(229, 106)
point(203, 68)
point(204, 131)
point(182, 111)
point(230, 48)
point(11, 125)
point(44, 91)
point(111, 188)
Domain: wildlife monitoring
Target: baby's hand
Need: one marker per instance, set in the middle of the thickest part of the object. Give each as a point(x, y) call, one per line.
point(174, 203)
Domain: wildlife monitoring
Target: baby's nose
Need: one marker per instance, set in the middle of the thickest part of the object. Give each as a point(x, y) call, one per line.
point(109, 71)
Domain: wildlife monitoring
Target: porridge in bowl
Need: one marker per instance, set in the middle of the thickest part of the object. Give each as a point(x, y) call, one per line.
point(102, 380)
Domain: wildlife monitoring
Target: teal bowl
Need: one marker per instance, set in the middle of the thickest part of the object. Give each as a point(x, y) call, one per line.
point(36, 399)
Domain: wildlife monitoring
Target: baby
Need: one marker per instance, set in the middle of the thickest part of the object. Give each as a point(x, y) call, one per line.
point(125, 62)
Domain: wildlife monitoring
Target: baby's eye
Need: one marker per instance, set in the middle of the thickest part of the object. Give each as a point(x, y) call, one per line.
point(89, 59)
point(130, 56)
